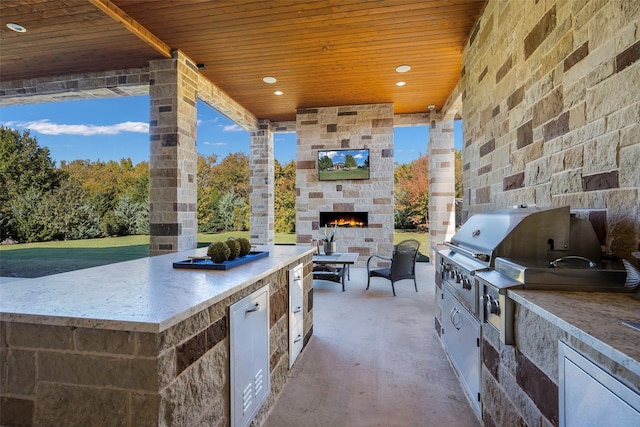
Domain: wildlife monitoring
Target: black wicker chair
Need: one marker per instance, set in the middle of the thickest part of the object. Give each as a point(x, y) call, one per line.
point(403, 264)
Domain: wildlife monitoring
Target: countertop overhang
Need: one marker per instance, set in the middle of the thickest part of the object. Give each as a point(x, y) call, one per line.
point(595, 318)
point(144, 295)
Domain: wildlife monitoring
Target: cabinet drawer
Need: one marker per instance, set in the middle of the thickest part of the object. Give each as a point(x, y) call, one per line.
point(296, 341)
point(295, 287)
point(296, 315)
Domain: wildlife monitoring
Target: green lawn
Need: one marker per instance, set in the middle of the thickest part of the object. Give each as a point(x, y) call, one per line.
point(43, 259)
point(343, 174)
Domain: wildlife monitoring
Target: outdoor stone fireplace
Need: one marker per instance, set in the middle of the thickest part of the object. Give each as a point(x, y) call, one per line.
point(370, 201)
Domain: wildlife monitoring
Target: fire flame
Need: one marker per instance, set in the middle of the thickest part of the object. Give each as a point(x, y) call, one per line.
point(346, 222)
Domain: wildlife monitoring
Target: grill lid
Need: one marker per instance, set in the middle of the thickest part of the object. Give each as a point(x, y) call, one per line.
point(527, 234)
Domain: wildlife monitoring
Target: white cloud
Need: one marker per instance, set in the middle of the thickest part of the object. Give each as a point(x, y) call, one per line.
point(217, 144)
point(232, 128)
point(47, 128)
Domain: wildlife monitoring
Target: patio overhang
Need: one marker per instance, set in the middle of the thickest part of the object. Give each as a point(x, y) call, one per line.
point(324, 53)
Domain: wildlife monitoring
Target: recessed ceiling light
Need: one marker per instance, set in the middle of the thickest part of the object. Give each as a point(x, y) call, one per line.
point(278, 92)
point(403, 68)
point(401, 83)
point(269, 80)
point(16, 27)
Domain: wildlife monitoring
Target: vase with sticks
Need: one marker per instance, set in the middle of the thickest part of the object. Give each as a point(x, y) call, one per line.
point(329, 240)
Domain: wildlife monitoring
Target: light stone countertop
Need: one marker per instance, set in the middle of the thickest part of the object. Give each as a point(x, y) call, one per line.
point(593, 317)
point(146, 295)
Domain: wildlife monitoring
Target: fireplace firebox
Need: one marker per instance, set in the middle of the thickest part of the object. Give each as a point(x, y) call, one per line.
point(344, 219)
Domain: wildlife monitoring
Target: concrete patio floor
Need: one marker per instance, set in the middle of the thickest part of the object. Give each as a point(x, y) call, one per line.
point(374, 360)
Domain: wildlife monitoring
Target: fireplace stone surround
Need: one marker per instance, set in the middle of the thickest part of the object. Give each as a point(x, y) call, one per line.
point(354, 127)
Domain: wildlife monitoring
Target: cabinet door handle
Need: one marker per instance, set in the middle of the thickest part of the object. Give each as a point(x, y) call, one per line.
point(298, 339)
point(456, 318)
point(297, 310)
point(251, 310)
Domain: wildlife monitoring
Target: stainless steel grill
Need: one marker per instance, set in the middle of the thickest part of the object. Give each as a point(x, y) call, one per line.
point(529, 248)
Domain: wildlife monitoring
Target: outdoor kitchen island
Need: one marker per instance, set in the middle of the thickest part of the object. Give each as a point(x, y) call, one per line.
point(141, 343)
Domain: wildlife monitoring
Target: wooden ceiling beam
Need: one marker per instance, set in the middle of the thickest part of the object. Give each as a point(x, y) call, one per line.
point(132, 25)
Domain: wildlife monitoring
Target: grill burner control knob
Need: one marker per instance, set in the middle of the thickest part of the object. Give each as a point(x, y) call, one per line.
point(466, 283)
point(458, 277)
point(492, 304)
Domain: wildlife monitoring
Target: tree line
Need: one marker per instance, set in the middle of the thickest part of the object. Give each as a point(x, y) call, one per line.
point(411, 191)
point(83, 199)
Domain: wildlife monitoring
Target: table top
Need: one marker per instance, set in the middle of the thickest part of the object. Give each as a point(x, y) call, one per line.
point(336, 258)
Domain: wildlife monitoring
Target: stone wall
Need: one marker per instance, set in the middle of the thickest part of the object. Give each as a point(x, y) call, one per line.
point(107, 84)
point(514, 389)
point(354, 127)
point(173, 222)
point(59, 375)
point(551, 111)
point(262, 185)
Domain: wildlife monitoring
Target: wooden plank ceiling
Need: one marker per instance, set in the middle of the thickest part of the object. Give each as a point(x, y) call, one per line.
point(322, 53)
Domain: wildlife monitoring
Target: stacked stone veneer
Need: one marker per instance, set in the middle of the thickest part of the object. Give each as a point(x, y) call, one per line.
point(442, 191)
point(108, 84)
point(352, 127)
point(172, 133)
point(551, 111)
point(262, 181)
point(73, 376)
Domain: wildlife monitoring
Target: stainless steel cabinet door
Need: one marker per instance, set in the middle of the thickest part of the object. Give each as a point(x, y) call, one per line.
point(461, 339)
point(590, 396)
point(249, 335)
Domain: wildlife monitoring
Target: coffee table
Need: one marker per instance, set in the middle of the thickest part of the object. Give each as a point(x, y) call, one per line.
point(324, 269)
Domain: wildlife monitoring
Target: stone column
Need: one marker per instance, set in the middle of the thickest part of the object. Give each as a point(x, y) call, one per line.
point(262, 180)
point(173, 156)
point(442, 190)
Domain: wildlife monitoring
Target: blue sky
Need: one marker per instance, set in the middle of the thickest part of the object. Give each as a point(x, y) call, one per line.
point(116, 128)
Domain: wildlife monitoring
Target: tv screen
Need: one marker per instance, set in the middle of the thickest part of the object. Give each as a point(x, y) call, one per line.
point(343, 164)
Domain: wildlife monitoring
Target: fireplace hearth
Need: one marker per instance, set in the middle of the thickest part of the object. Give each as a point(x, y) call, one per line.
point(344, 219)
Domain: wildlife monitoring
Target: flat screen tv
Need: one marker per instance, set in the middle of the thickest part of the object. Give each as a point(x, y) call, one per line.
point(343, 164)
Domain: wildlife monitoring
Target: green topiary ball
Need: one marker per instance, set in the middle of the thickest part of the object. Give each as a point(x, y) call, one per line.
point(234, 247)
point(218, 251)
point(245, 246)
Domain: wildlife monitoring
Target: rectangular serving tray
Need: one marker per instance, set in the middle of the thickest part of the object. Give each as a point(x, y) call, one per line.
point(207, 264)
